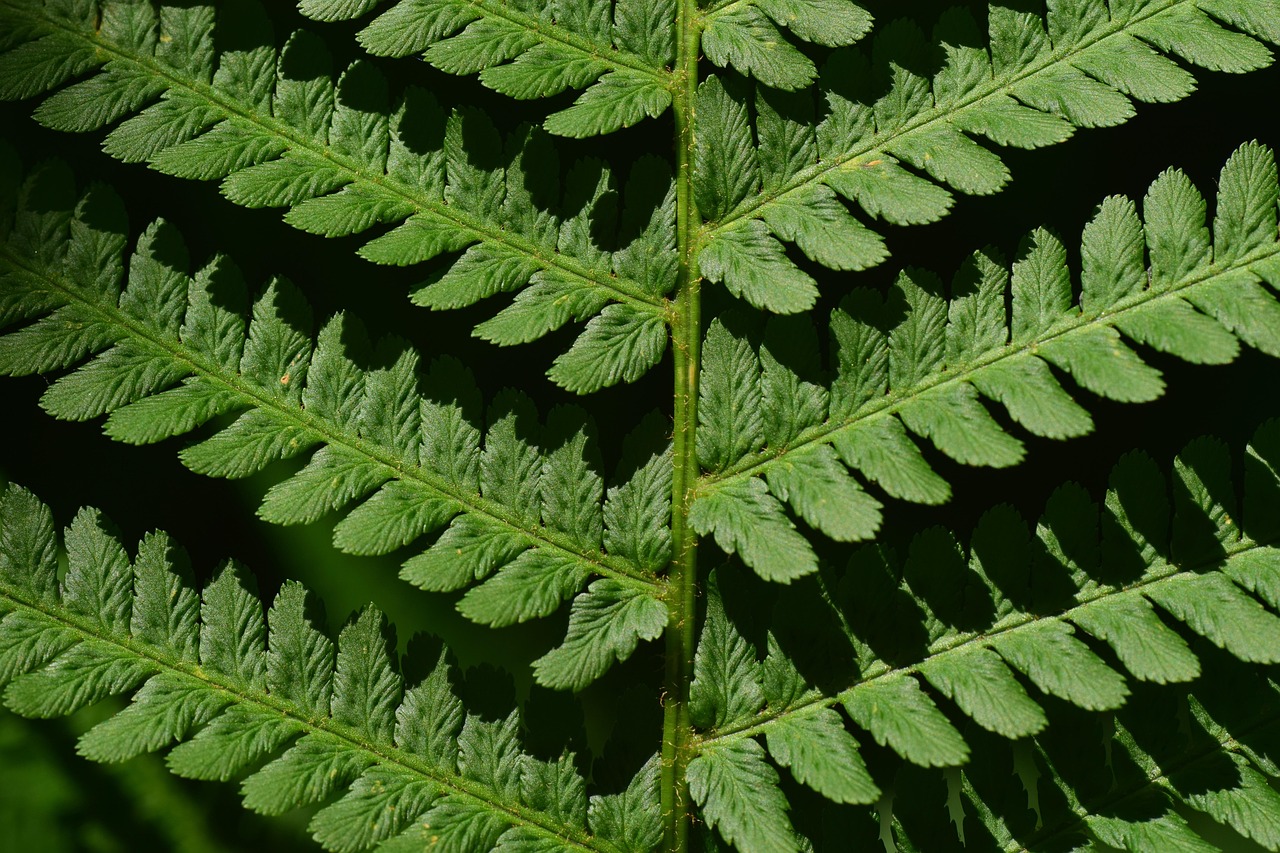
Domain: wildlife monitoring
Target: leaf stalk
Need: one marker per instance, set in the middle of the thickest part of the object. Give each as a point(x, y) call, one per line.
point(686, 339)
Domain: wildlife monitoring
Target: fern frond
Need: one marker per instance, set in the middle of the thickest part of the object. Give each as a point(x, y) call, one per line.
point(1100, 679)
point(621, 57)
point(745, 36)
point(916, 362)
point(948, 644)
point(413, 763)
point(529, 521)
point(533, 50)
point(346, 157)
point(895, 131)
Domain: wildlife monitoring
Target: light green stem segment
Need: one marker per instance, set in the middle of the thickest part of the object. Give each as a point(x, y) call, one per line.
point(686, 340)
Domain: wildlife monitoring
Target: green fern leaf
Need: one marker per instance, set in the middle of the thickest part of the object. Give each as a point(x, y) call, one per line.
point(746, 520)
point(535, 52)
point(365, 689)
point(236, 739)
point(897, 713)
point(888, 457)
point(835, 673)
point(310, 771)
point(605, 624)
point(163, 711)
point(1144, 644)
point(618, 345)
point(347, 156)
point(822, 755)
point(1155, 774)
point(360, 819)
point(635, 512)
point(398, 758)
point(985, 689)
point(744, 38)
point(725, 690)
point(729, 409)
point(336, 10)
point(536, 517)
point(913, 360)
point(1060, 665)
point(232, 631)
point(1251, 809)
point(40, 65)
point(532, 585)
point(618, 99)
point(1216, 608)
point(393, 517)
point(1025, 90)
point(724, 128)
point(739, 795)
point(300, 657)
point(752, 265)
point(822, 492)
point(165, 608)
point(631, 817)
point(983, 614)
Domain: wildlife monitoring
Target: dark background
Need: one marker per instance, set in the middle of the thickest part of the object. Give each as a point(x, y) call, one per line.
point(70, 465)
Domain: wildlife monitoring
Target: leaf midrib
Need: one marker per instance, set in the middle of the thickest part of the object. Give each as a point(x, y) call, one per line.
point(386, 755)
point(622, 289)
point(544, 537)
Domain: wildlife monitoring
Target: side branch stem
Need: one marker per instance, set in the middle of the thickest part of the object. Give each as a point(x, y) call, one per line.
point(686, 338)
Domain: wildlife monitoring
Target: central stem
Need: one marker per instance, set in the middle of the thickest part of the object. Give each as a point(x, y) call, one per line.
point(686, 339)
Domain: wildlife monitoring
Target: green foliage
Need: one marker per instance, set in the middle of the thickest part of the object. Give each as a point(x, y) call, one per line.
point(854, 663)
point(927, 370)
point(342, 712)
